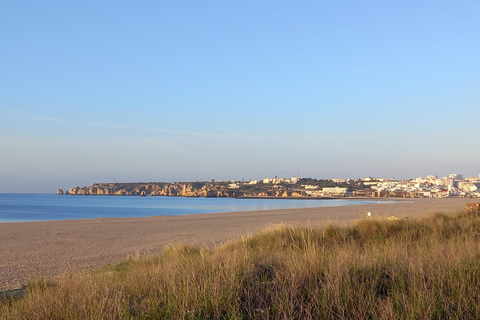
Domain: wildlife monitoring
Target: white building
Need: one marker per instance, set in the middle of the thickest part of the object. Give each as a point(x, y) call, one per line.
point(440, 182)
point(456, 176)
point(470, 188)
point(335, 190)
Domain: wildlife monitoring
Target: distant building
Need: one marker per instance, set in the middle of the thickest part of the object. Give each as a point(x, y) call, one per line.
point(440, 182)
point(456, 176)
point(470, 188)
point(335, 190)
point(452, 183)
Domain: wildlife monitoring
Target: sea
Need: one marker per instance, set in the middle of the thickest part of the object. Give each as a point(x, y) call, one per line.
point(22, 207)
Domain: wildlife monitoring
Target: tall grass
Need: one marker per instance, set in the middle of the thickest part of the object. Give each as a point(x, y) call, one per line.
point(376, 269)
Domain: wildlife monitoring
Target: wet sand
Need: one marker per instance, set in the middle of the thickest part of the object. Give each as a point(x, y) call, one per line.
point(29, 249)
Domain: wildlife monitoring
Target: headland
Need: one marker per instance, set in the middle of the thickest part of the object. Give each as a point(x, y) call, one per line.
point(454, 185)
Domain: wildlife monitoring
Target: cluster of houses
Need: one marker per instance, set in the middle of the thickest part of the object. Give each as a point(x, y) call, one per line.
point(454, 185)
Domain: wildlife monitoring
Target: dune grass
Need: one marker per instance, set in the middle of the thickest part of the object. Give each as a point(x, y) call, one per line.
point(375, 269)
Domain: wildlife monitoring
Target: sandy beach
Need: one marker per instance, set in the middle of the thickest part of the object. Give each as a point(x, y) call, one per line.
point(53, 247)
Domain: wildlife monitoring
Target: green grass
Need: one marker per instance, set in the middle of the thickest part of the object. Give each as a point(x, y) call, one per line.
point(375, 269)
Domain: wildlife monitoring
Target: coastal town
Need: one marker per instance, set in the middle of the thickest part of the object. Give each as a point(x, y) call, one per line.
point(431, 186)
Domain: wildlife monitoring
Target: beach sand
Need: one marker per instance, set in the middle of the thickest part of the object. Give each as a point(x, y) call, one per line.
point(30, 249)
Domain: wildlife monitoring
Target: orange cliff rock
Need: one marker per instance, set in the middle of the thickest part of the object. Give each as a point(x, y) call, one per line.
point(188, 189)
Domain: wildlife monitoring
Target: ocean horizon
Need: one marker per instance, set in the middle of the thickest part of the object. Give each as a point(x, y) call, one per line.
point(24, 207)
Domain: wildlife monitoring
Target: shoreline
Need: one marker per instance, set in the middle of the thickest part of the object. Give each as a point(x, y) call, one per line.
point(168, 206)
point(327, 198)
point(51, 248)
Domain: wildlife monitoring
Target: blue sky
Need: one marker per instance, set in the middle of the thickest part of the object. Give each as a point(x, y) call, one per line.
point(97, 91)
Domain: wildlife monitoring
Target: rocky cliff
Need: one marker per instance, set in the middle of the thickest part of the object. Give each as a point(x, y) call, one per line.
point(187, 189)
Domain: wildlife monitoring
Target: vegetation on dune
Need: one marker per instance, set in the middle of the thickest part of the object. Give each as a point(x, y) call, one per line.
point(376, 269)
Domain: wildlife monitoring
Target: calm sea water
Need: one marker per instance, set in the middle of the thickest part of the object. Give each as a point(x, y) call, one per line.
point(16, 207)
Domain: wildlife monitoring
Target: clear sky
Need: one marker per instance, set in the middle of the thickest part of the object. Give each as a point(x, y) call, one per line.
point(104, 91)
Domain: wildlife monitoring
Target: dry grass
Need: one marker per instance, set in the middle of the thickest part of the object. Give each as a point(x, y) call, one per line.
point(376, 269)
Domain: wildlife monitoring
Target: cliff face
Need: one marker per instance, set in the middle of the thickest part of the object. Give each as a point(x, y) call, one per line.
point(188, 189)
point(156, 189)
